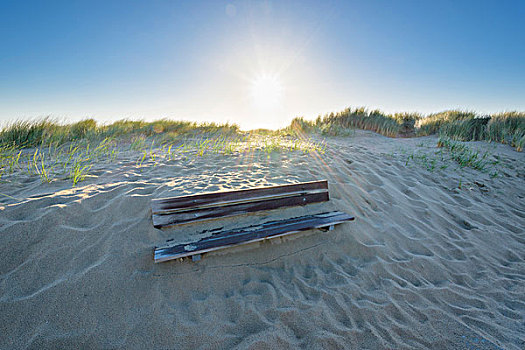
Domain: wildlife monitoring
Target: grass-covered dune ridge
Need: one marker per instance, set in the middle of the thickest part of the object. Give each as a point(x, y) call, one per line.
point(359, 118)
point(32, 133)
point(507, 127)
point(53, 151)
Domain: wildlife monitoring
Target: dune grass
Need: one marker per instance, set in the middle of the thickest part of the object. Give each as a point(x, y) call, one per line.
point(47, 148)
point(432, 123)
point(360, 118)
point(464, 155)
point(52, 151)
point(35, 133)
point(344, 123)
point(508, 127)
point(454, 155)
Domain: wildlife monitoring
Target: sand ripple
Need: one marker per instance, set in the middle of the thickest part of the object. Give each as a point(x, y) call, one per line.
point(425, 265)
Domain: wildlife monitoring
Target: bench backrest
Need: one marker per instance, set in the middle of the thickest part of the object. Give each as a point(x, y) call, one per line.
point(186, 209)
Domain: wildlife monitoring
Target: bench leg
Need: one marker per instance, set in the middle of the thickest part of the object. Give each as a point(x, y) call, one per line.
point(327, 228)
point(196, 257)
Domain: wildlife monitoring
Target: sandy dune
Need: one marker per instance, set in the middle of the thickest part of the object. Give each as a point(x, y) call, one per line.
point(426, 264)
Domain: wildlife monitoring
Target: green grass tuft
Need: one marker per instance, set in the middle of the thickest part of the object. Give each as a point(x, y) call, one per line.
point(463, 155)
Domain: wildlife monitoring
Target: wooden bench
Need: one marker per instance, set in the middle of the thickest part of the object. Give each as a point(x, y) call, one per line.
point(169, 212)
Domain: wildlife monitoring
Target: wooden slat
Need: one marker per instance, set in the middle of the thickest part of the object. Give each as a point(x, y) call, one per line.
point(271, 229)
point(173, 204)
point(253, 199)
point(199, 214)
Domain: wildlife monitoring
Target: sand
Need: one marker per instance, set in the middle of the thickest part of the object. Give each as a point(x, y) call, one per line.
point(435, 258)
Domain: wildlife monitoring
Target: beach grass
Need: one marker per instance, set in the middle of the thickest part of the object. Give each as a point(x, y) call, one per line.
point(45, 131)
point(432, 123)
point(507, 127)
point(47, 148)
point(361, 118)
point(463, 154)
point(52, 151)
point(455, 155)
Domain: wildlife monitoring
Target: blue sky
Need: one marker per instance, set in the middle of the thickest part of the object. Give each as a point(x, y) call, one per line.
point(257, 63)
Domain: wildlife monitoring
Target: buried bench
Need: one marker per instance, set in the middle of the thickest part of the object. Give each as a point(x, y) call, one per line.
point(168, 212)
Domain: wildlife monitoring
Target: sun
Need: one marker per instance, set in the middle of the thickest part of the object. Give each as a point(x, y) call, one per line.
point(266, 92)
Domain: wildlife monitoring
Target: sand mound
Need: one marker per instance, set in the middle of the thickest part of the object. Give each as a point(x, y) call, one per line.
point(435, 258)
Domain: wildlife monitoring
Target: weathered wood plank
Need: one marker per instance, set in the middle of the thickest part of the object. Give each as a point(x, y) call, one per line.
point(199, 214)
point(173, 204)
point(252, 199)
point(254, 233)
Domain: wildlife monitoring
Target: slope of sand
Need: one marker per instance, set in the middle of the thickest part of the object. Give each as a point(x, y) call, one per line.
point(434, 259)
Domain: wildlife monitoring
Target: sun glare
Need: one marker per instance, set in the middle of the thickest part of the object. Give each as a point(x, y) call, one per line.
point(266, 92)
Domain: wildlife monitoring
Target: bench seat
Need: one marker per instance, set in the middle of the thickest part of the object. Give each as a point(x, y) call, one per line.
point(254, 233)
